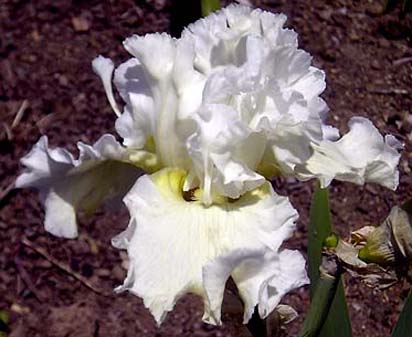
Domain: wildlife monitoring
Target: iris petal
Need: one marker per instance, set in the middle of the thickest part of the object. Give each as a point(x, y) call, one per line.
point(177, 246)
point(362, 155)
point(103, 171)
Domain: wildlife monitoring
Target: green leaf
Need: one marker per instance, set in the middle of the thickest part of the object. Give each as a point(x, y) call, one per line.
point(322, 299)
point(320, 228)
point(209, 6)
point(337, 323)
point(404, 326)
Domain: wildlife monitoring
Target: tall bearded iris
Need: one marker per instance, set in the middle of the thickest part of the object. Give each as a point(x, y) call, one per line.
point(211, 117)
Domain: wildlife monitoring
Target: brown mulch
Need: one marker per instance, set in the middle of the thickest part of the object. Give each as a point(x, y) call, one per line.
point(46, 49)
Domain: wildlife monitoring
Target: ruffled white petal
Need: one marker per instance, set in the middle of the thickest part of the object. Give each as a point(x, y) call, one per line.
point(362, 155)
point(102, 172)
point(262, 277)
point(156, 52)
point(41, 163)
point(220, 33)
point(176, 245)
point(216, 273)
point(290, 274)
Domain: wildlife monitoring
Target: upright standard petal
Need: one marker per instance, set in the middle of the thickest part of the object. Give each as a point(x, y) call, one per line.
point(362, 155)
point(177, 245)
point(253, 66)
point(155, 104)
point(103, 171)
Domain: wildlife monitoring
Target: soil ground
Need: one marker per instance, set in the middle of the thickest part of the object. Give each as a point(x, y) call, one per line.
point(46, 48)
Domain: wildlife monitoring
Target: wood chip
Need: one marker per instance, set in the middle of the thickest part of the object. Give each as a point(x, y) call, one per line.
point(80, 24)
point(20, 113)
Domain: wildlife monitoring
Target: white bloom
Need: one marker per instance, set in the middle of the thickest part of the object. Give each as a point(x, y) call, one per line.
point(177, 245)
point(103, 171)
point(214, 114)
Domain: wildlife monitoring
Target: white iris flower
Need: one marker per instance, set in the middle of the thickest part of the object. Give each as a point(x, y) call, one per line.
point(211, 116)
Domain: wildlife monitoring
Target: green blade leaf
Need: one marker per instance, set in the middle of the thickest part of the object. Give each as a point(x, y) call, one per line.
point(209, 6)
point(322, 299)
point(320, 227)
point(337, 323)
point(404, 326)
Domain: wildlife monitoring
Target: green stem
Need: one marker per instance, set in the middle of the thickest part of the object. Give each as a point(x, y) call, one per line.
point(320, 228)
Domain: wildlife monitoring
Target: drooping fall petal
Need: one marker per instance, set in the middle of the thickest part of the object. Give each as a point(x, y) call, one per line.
point(102, 172)
point(362, 155)
point(177, 246)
